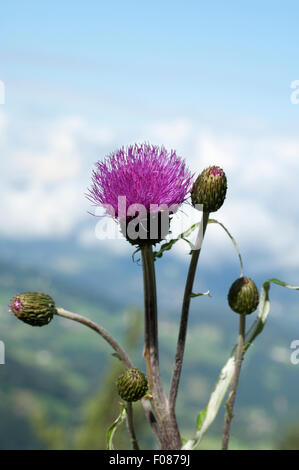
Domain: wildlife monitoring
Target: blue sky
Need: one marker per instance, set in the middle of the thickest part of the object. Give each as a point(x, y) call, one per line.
point(152, 57)
point(211, 79)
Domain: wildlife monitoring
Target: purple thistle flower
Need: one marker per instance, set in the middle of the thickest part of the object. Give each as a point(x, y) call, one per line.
point(145, 174)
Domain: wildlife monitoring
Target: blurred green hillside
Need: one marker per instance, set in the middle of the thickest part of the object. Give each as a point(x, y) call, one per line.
point(57, 386)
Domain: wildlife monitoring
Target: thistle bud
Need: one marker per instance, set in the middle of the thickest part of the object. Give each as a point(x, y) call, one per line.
point(210, 189)
point(34, 308)
point(243, 296)
point(132, 385)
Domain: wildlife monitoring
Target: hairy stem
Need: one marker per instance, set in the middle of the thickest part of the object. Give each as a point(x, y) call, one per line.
point(121, 354)
point(232, 395)
point(185, 314)
point(130, 422)
point(167, 421)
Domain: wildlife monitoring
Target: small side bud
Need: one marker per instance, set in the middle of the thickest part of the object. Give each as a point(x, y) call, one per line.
point(132, 385)
point(243, 296)
point(210, 189)
point(34, 308)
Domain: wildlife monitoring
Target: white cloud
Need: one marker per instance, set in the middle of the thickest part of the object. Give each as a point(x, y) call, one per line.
point(39, 212)
point(261, 205)
point(223, 151)
point(46, 170)
point(87, 237)
point(172, 133)
point(45, 176)
point(3, 124)
point(54, 165)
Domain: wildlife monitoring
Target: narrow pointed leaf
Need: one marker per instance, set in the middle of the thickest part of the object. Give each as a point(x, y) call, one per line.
point(200, 418)
point(169, 244)
point(114, 426)
point(135, 253)
point(116, 355)
point(200, 293)
point(227, 372)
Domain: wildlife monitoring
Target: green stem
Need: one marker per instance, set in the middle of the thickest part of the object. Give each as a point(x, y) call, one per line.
point(130, 422)
point(170, 434)
point(185, 314)
point(121, 354)
point(100, 330)
point(232, 395)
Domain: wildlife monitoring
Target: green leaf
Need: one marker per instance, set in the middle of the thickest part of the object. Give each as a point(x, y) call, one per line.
point(165, 247)
point(214, 221)
point(117, 356)
point(114, 426)
point(227, 372)
point(190, 230)
point(200, 418)
point(200, 293)
point(169, 244)
point(283, 284)
point(135, 253)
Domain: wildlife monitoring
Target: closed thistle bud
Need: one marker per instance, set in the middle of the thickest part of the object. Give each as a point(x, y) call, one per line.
point(210, 189)
point(132, 385)
point(243, 296)
point(34, 308)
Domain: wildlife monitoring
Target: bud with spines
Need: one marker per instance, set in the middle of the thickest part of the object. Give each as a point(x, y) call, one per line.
point(243, 296)
point(34, 308)
point(132, 385)
point(209, 189)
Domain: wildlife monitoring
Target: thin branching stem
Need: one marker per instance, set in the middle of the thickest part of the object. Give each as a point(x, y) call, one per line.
point(100, 330)
point(121, 354)
point(185, 314)
point(130, 422)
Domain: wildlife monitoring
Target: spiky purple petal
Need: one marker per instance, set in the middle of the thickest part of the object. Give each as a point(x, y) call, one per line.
point(145, 174)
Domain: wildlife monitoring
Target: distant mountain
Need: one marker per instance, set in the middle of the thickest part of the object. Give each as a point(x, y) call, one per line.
point(58, 367)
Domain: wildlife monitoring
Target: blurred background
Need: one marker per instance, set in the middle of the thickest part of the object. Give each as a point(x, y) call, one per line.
point(209, 79)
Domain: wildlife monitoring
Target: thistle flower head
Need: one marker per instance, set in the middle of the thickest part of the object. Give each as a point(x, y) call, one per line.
point(34, 308)
point(210, 189)
point(132, 385)
point(145, 174)
point(243, 296)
